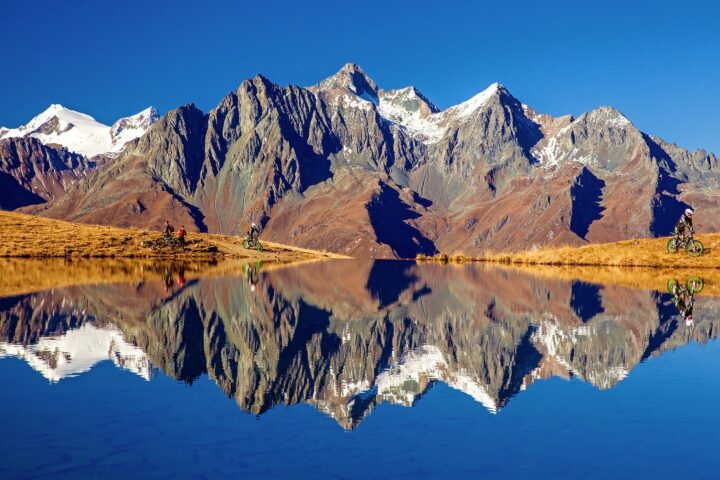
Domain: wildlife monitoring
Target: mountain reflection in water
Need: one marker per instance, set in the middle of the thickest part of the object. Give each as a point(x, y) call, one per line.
point(345, 336)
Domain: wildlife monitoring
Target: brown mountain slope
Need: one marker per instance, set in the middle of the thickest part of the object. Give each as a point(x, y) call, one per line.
point(32, 173)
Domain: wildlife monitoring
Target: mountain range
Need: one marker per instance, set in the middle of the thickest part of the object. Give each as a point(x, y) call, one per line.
point(350, 167)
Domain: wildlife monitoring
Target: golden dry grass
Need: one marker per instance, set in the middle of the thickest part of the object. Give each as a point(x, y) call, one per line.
point(651, 252)
point(36, 237)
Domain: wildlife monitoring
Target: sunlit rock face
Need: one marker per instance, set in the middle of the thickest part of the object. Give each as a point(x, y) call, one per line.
point(386, 333)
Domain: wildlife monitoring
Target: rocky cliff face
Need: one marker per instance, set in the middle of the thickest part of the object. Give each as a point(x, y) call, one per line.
point(387, 333)
point(350, 167)
point(32, 173)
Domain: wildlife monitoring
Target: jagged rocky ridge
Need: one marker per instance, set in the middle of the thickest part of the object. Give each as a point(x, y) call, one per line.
point(349, 167)
point(387, 333)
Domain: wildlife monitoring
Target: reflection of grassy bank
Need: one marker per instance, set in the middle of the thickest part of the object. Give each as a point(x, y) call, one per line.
point(634, 277)
point(36, 237)
point(20, 276)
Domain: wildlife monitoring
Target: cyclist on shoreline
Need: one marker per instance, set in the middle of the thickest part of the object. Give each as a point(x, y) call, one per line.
point(181, 235)
point(254, 231)
point(684, 226)
point(169, 229)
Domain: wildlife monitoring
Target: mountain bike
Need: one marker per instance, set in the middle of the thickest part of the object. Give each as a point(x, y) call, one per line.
point(694, 285)
point(252, 242)
point(693, 247)
point(163, 243)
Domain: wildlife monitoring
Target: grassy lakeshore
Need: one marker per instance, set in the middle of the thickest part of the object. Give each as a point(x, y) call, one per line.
point(647, 252)
point(28, 236)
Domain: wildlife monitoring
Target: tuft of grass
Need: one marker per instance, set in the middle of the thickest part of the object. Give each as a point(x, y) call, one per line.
point(444, 258)
point(438, 258)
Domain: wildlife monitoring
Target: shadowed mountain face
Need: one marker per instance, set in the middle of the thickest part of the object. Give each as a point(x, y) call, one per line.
point(32, 173)
point(345, 336)
point(349, 167)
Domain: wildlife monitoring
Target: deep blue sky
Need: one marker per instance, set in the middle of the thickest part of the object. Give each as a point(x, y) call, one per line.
point(657, 61)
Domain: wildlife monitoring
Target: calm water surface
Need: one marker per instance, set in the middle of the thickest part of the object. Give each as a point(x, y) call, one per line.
point(359, 369)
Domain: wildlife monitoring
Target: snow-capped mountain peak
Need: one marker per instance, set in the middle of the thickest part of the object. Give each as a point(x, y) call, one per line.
point(404, 102)
point(408, 108)
point(609, 116)
point(349, 87)
point(468, 107)
point(81, 133)
point(353, 78)
point(130, 128)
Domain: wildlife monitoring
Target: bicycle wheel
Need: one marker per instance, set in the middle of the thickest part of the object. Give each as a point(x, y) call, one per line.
point(694, 248)
point(246, 244)
point(672, 246)
point(672, 285)
point(695, 284)
point(259, 247)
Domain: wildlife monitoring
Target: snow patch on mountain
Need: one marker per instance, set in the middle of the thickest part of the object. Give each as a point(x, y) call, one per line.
point(81, 133)
point(429, 126)
point(554, 150)
point(608, 116)
point(129, 128)
point(77, 351)
point(406, 108)
point(410, 110)
point(550, 336)
point(401, 382)
point(531, 114)
point(468, 107)
point(353, 101)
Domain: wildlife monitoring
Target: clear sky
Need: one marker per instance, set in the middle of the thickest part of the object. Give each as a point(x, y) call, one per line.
point(656, 61)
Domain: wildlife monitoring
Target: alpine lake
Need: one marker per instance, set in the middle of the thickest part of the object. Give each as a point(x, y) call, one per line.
point(356, 369)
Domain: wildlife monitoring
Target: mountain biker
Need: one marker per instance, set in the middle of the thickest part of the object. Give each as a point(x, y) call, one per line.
point(684, 224)
point(254, 231)
point(181, 236)
point(168, 229)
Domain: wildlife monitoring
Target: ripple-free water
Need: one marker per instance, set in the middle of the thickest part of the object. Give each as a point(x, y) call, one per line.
point(349, 369)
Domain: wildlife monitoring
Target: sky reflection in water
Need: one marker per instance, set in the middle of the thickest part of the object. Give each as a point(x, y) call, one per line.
point(94, 377)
